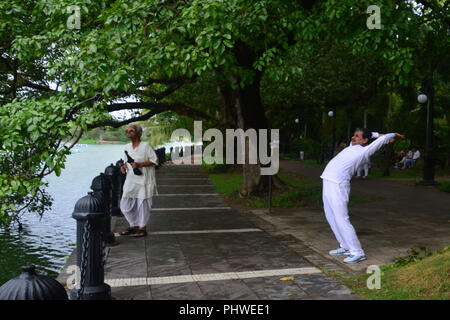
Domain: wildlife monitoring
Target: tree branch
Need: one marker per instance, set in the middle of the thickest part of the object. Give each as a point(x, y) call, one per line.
point(155, 108)
point(181, 79)
point(179, 108)
point(116, 124)
point(160, 95)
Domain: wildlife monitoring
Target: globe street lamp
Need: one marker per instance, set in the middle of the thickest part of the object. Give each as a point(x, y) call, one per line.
point(297, 122)
point(332, 114)
point(427, 95)
point(422, 98)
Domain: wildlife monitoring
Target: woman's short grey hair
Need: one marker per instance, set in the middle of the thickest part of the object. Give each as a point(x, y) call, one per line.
point(138, 127)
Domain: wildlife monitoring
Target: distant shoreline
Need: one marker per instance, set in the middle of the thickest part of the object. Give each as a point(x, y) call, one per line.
point(97, 142)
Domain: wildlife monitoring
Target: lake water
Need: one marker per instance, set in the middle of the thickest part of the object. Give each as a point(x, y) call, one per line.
point(47, 242)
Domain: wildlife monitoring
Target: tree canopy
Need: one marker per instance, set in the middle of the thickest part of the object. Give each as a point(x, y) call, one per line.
point(236, 63)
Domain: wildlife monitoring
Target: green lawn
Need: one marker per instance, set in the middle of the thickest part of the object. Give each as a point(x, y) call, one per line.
point(298, 192)
point(410, 278)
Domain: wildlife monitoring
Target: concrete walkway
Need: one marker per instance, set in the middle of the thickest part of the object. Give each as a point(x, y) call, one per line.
point(199, 248)
point(396, 218)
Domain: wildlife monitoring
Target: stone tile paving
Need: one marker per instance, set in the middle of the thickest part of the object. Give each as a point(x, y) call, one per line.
point(185, 254)
point(397, 218)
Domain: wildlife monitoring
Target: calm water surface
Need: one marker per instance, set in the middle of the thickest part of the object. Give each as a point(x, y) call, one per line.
point(48, 241)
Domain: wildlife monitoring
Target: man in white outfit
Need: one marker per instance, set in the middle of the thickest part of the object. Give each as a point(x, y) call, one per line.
point(336, 189)
point(138, 190)
point(364, 166)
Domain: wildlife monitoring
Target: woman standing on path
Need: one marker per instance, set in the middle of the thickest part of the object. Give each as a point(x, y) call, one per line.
point(336, 189)
point(138, 190)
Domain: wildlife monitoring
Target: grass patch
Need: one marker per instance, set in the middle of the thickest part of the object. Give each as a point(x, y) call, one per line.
point(227, 184)
point(445, 186)
point(298, 193)
point(88, 141)
point(420, 276)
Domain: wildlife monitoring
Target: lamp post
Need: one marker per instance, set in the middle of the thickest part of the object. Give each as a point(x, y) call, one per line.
point(427, 95)
point(297, 123)
point(332, 114)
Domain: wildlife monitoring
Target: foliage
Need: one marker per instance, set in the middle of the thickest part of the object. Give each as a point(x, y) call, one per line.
point(169, 58)
point(35, 132)
point(106, 134)
point(445, 186)
point(216, 167)
point(416, 254)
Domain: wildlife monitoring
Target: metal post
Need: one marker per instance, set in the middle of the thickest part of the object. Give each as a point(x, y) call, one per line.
point(113, 173)
point(270, 193)
point(121, 179)
point(101, 185)
point(90, 214)
point(333, 136)
point(158, 157)
point(428, 169)
point(163, 155)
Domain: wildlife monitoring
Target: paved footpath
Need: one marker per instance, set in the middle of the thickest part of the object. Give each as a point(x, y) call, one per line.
point(199, 248)
point(397, 217)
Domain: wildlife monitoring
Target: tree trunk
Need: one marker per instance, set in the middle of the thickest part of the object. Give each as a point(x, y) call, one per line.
point(228, 112)
point(389, 148)
point(250, 114)
point(248, 105)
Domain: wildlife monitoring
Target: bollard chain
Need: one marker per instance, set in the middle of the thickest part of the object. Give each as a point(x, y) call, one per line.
point(103, 251)
point(84, 257)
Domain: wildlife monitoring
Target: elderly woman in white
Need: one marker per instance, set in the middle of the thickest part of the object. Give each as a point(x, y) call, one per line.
point(138, 190)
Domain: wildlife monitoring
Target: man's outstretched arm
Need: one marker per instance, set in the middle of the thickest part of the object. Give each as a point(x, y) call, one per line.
point(379, 142)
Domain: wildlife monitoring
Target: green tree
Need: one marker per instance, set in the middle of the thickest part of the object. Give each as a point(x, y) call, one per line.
point(207, 60)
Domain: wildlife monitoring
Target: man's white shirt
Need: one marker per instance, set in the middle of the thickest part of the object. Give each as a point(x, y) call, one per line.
point(344, 165)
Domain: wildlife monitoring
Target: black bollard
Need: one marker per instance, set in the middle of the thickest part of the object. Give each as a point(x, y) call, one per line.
point(158, 156)
point(163, 155)
point(181, 152)
point(170, 153)
point(31, 286)
point(102, 186)
point(121, 178)
point(113, 173)
point(90, 214)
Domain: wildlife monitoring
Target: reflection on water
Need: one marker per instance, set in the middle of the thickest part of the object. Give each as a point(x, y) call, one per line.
point(46, 242)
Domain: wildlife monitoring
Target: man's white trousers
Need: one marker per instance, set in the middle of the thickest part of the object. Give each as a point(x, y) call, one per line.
point(365, 166)
point(136, 211)
point(335, 202)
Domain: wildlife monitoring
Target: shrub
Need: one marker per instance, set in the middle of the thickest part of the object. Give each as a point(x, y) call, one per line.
point(445, 186)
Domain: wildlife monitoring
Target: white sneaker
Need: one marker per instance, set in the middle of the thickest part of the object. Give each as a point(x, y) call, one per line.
point(339, 251)
point(353, 259)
